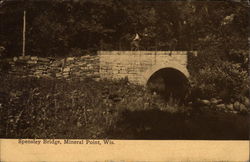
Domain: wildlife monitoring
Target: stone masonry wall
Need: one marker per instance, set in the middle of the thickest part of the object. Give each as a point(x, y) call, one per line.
point(70, 67)
point(138, 66)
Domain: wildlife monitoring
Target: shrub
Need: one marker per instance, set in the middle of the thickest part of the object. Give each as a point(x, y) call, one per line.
point(225, 80)
point(53, 108)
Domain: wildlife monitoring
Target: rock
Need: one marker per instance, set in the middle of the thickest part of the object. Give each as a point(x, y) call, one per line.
point(81, 63)
point(246, 102)
point(219, 100)
point(221, 106)
point(43, 59)
point(204, 102)
point(57, 64)
point(25, 58)
point(84, 68)
point(58, 75)
point(34, 58)
point(215, 101)
point(243, 108)
point(65, 76)
point(66, 69)
point(31, 62)
point(47, 76)
point(234, 112)
point(89, 66)
point(237, 106)
point(70, 59)
point(86, 56)
point(12, 63)
point(15, 59)
point(97, 79)
point(230, 107)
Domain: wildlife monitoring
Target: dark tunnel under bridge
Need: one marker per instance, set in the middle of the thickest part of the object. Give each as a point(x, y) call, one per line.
point(169, 83)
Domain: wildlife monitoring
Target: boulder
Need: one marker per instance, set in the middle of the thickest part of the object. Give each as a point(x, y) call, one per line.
point(237, 105)
point(234, 112)
point(246, 102)
point(243, 108)
point(15, 59)
point(204, 102)
point(34, 58)
point(230, 107)
point(221, 106)
point(213, 101)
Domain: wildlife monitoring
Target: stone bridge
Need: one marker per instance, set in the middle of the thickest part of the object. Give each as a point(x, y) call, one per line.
point(162, 71)
point(140, 66)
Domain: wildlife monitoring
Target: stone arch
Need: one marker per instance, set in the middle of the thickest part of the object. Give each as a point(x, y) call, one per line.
point(169, 82)
point(155, 68)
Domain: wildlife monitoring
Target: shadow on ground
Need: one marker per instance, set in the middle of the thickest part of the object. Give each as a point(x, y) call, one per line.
point(156, 124)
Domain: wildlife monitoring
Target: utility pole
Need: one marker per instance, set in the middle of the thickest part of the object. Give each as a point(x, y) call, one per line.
point(24, 31)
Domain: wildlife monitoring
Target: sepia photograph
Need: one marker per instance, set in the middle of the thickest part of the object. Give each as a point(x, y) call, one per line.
point(124, 70)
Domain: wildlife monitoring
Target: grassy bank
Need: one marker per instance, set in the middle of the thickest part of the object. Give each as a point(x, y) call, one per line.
point(53, 108)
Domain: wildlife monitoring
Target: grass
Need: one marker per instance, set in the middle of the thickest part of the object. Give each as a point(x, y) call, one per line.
point(53, 108)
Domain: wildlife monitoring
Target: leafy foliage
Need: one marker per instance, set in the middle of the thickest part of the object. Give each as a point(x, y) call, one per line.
point(45, 108)
point(63, 109)
point(227, 81)
point(56, 26)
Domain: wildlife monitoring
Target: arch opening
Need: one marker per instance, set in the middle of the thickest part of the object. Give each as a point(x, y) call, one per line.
point(169, 83)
